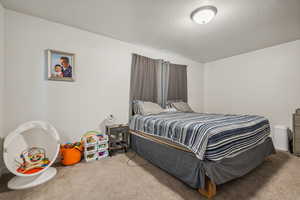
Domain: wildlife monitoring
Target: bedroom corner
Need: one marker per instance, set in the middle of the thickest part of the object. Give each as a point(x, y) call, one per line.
point(1, 86)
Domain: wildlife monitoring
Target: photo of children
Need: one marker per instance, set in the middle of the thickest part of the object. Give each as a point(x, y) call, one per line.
point(58, 71)
point(60, 66)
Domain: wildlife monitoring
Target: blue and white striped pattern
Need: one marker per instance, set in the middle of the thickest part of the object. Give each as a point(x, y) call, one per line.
point(209, 136)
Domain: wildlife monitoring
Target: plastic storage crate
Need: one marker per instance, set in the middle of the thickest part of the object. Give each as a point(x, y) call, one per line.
point(95, 146)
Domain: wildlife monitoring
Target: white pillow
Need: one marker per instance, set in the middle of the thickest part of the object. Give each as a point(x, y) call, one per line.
point(169, 102)
point(170, 109)
point(182, 106)
point(149, 108)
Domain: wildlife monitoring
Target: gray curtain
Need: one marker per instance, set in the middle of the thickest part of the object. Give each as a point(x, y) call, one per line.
point(143, 83)
point(163, 82)
point(156, 81)
point(177, 88)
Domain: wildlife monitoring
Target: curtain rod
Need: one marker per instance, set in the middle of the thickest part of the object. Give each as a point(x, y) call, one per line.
point(183, 65)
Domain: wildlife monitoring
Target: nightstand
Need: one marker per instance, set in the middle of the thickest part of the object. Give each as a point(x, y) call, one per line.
point(118, 137)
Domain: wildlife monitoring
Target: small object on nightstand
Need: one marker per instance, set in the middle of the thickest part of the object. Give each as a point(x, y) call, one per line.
point(118, 137)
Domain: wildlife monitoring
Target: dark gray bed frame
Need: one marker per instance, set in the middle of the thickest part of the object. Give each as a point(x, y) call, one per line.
point(202, 175)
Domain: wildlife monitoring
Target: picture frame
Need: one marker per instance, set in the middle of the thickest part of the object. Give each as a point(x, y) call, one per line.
point(61, 65)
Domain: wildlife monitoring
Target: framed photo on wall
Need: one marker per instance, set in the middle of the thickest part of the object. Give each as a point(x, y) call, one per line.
point(61, 65)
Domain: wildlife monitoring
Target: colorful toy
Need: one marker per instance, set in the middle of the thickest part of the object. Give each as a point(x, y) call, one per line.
point(95, 145)
point(33, 160)
point(71, 153)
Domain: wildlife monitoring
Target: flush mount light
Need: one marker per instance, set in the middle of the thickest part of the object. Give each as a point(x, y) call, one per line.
point(204, 15)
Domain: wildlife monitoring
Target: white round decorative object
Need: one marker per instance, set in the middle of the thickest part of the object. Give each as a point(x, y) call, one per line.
point(31, 134)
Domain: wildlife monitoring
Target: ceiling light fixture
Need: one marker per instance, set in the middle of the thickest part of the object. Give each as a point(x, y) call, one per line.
point(204, 15)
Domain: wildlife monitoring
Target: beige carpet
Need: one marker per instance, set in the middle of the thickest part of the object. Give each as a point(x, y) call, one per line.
point(114, 178)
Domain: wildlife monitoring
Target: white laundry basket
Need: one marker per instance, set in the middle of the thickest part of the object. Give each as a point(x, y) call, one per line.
point(31, 134)
point(281, 138)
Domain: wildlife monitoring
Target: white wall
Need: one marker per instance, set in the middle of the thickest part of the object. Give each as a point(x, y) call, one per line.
point(2, 11)
point(264, 82)
point(1, 67)
point(102, 68)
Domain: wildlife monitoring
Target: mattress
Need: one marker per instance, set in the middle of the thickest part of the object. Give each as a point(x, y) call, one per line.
point(209, 136)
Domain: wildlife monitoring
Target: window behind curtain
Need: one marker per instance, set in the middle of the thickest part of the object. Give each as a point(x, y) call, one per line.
point(177, 87)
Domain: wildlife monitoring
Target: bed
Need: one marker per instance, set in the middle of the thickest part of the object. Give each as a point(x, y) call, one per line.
point(202, 150)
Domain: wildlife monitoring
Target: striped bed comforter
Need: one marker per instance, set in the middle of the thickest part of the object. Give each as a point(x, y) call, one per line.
point(209, 136)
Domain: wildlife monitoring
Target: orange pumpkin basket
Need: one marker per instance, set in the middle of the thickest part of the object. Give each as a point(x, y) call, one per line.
point(71, 153)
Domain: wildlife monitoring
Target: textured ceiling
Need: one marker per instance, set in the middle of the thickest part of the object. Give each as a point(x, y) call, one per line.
point(240, 26)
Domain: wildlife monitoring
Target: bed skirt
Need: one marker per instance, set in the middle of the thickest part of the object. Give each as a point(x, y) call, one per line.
point(188, 168)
